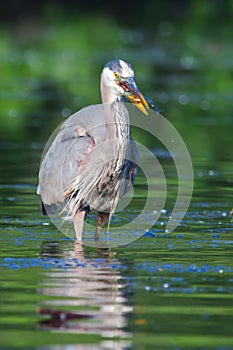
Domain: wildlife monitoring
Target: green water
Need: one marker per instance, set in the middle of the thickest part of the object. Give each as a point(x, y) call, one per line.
point(163, 291)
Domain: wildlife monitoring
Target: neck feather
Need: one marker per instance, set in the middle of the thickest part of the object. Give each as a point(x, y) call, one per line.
point(116, 114)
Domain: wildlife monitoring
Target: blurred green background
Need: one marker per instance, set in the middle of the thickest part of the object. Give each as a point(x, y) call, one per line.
point(52, 53)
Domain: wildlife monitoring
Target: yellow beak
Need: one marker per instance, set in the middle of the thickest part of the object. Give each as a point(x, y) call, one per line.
point(139, 101)
point(133, 94)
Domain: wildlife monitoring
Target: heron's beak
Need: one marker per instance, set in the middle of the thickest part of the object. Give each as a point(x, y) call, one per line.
point(133, 94)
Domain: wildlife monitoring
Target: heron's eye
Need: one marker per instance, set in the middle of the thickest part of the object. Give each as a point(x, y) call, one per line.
point(116, 75)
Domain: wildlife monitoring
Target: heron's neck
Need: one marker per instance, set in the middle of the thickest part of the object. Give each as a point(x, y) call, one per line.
point(116, 116)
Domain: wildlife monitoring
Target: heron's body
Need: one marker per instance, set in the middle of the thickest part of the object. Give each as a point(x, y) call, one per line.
point(92, 160)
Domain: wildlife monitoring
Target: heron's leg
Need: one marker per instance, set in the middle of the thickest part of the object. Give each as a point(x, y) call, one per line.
point(78, 218)
point(78, 251)
point(102, 218)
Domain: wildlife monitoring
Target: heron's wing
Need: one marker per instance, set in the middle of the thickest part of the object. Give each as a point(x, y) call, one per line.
point(134, 159)
point(68, 150)
point(130, 168)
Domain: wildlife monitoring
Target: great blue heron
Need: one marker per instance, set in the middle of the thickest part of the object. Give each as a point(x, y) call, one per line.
point(98, 157)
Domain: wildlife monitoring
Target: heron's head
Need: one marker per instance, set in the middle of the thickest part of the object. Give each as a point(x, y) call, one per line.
point(117, 79)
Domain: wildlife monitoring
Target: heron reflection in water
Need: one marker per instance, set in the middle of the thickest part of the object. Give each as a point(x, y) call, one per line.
point(84, 295)
point(101, 165)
